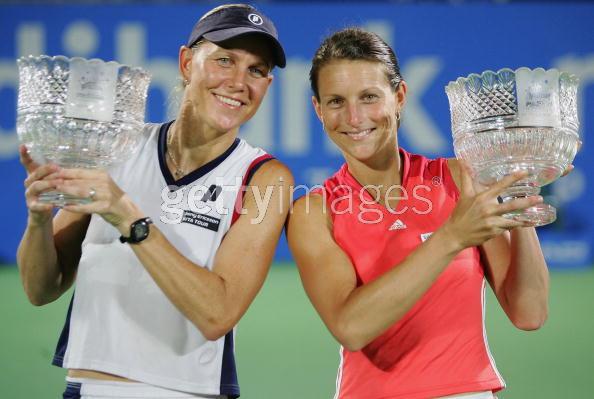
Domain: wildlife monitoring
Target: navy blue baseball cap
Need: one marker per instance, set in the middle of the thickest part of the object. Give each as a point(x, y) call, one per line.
point(238, 20)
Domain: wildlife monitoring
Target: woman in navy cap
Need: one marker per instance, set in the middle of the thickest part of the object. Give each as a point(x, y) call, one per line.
point(175, 243)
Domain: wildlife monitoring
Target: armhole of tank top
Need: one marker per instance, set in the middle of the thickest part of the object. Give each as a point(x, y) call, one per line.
point(448, 177)
point(249, 173)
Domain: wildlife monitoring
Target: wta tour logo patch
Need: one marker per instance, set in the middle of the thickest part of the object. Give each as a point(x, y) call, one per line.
point(197, 219)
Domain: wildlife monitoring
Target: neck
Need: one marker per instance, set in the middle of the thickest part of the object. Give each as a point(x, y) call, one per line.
point(381, 173)
point(189, 149)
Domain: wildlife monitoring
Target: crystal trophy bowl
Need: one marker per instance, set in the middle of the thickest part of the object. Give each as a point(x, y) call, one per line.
point(79, 113)
point(522, 120)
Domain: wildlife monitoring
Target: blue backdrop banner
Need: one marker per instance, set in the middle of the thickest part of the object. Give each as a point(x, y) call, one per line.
point(435, 44)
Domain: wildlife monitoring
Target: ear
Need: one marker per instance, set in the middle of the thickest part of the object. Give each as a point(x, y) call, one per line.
point(317, 108)
point(270, 79)
point(185, 62)
point(401, 94)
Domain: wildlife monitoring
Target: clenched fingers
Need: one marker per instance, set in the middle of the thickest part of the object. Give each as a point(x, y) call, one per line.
point(42, 172)
point(504, 183)
point(511, 223)
point(518, 204)
point(81, 188)
point(82, 174)
point(35, 190)
point(41, 186)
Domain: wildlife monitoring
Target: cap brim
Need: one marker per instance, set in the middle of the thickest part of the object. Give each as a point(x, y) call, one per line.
point(223, 35)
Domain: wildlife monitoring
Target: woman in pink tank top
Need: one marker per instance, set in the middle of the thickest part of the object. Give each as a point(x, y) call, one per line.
point(395, 250)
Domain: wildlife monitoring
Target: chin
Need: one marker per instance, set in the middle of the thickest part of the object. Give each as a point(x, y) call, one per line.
point(227, 124)
point(363, 154)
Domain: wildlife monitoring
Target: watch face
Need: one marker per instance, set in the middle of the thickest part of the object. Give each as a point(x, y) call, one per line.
point(139, 230)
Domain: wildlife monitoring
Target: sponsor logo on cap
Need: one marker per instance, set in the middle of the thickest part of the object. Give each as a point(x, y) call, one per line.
point(255, 19)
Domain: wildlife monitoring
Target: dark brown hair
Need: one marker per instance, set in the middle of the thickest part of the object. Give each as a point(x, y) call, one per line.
point(354, 44)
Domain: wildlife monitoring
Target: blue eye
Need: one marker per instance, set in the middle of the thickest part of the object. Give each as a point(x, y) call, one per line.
point(224, 61)
point(370, 98)
point(257, 72)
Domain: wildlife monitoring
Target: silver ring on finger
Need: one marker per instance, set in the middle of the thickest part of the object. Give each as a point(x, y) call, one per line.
point(92, 194)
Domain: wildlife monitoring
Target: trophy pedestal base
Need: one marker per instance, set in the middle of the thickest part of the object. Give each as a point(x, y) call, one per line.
point(540, 215)
point(60, 199)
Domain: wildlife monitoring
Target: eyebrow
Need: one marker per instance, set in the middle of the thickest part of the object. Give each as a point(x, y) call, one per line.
point(367, 90)
point(331, 97)
point(262, 62)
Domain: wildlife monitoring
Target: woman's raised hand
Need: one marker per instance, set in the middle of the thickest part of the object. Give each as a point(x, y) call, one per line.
point(478, 216)
point(105, 197)
point(40, 179)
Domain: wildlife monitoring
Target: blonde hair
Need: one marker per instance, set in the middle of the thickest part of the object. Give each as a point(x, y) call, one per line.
point(224, 6)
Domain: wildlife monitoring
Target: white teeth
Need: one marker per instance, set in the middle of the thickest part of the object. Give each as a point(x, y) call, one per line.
point(361, 134)
point(227, 100)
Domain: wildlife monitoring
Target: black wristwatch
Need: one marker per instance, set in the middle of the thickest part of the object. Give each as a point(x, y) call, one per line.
point(139, 230)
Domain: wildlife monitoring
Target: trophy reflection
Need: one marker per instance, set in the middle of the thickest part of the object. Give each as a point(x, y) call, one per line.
point(79, 113)
point(522, 120)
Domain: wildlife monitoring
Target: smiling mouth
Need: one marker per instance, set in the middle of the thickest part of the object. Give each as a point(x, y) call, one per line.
point(229, 101)
point(360, 135)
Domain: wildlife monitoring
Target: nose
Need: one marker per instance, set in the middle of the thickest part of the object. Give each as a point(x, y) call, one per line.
point(237, 79)
point(353, 115)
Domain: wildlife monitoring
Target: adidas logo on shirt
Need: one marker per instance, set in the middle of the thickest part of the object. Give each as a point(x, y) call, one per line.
point(397, 225)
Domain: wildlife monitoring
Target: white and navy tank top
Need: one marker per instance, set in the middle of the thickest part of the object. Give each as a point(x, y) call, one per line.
point(119, 321)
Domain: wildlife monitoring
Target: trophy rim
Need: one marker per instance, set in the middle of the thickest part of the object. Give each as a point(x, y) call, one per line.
point(77, 140)
point(573, 78)
point(27, 59)
point(504, 82)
